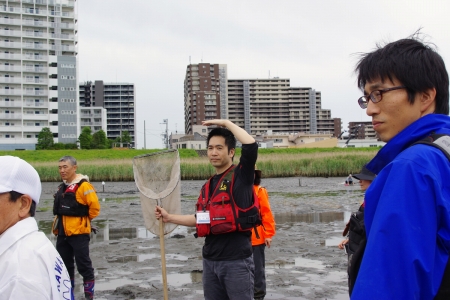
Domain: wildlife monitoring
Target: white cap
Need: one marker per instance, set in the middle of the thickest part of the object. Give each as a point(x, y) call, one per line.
point(19, 176)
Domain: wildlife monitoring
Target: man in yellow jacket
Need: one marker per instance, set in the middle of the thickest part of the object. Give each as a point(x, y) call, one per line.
point(75, 205)
point(263, 238)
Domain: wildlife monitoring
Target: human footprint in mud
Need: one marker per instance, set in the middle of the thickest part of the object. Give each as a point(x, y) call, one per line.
point(228, 268)
point(355, 243)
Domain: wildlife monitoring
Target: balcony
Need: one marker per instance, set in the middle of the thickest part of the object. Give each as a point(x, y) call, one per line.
point(34, 23)
point(35, 104)
point(16, 103)
point(10, 9)
point(10, 21)
point(38, 34)
point(10, 56)
point(34, 117)
point(10, 80)
point(34, 57)
point(37, 46)
point(14, 128)
point(10, 45)
point(31, 68)
point(35, 80)
point(10, 92)
point(9, 116)
point(35, 92)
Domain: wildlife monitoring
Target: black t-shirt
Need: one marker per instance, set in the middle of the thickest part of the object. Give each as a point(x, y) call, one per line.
point(235, 245)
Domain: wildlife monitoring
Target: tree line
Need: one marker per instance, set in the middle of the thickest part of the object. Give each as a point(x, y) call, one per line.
point(86, 140)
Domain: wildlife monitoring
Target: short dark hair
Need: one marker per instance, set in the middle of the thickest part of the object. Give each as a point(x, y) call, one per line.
point(230, 140)
point(414, 63)
point(15, 195)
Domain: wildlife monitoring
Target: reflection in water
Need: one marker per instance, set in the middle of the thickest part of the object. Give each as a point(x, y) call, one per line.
point(108, 234)
point(175, 279)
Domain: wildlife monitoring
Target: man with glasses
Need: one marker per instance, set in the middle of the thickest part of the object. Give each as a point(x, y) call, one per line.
point(407, 209)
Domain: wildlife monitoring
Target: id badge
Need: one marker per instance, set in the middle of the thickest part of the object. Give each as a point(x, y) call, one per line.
point(203, 217)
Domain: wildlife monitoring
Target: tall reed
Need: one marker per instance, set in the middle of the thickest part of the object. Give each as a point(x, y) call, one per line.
point(322, 164)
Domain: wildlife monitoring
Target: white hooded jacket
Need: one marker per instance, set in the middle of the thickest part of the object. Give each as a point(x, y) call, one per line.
point(31, 268)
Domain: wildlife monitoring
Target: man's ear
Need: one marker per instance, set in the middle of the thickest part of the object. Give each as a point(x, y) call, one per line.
point(25, 204)
point(231, 152)
point(428, 101)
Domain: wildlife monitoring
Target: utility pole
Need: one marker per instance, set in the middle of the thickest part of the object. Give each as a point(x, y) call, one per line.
point(145, 145)
point(166, 134)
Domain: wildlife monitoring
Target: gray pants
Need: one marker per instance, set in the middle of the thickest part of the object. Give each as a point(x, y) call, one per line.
point(228, 279)
point(260, 272)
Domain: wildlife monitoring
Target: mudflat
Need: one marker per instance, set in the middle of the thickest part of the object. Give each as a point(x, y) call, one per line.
point(302, 263)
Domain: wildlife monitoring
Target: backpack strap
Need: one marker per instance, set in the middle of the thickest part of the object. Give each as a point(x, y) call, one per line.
point(442, 142)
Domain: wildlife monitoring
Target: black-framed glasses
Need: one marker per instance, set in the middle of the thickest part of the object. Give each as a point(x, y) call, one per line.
point(376, 96)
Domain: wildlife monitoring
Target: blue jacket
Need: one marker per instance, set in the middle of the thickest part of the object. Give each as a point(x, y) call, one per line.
point(407, 217)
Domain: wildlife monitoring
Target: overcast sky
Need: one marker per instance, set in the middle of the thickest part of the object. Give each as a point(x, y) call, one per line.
point(311, 42)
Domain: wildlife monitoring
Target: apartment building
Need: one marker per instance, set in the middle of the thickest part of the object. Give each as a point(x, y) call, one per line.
point(119, 101)
point(38, 72)
point(362, 130)
point(205, 94)
point(263, 105)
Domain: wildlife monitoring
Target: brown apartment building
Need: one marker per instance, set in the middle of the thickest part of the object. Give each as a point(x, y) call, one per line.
point(257, 105)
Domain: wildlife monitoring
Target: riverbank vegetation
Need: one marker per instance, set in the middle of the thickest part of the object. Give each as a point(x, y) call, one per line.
point(116, 165)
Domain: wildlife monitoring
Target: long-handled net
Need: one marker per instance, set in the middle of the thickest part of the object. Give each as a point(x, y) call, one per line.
point(157, 177)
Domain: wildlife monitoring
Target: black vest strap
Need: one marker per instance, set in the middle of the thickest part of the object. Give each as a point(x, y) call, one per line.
point(444, 289)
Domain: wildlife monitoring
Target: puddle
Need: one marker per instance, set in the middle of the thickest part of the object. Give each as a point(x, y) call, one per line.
point(113, 284)
point(178, 280)
point(142, 257)
point(317, 217)
point(105, 233)
point(298, 262)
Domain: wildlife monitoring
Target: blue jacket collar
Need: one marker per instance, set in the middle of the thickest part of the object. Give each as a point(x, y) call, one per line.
point(415, 131)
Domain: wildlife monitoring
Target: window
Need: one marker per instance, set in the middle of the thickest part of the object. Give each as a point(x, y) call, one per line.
point(278, 141)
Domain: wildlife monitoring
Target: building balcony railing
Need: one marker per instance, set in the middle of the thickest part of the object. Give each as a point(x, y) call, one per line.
point(35, 46)
point(90, 116)
point(91, 123)
point(11, 103)
point(31, 69)
point(35, 57)
point(35, 104)
point(35, 92)
point(14, 128)
point(10, 45)
point(10, 21)
point(10, 91)
point(35, 80)
point(10, 56)
point(10, 80)
point(14, 116)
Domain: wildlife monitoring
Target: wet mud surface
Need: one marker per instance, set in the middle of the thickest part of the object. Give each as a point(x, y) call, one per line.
point(302, 263)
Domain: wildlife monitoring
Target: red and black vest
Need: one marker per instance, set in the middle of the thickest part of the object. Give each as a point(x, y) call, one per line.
point(225, 215)
point(66, 203)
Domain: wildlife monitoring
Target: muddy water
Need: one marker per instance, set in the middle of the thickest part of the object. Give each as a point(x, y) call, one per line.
point(303, 262)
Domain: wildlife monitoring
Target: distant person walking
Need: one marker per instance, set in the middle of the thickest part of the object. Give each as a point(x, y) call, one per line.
point(262, 238)
point(31, 268)
point(75, 205)
point(356, 241)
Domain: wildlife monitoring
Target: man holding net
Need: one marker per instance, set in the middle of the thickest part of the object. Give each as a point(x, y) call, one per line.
point(228, 269)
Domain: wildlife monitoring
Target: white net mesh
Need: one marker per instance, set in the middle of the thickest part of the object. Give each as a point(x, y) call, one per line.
point(157, 177)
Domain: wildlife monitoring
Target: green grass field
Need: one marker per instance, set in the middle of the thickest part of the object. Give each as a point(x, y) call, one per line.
point(116, 165)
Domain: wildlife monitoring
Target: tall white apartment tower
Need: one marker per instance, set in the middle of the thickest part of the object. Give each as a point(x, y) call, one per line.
point(38, 72)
